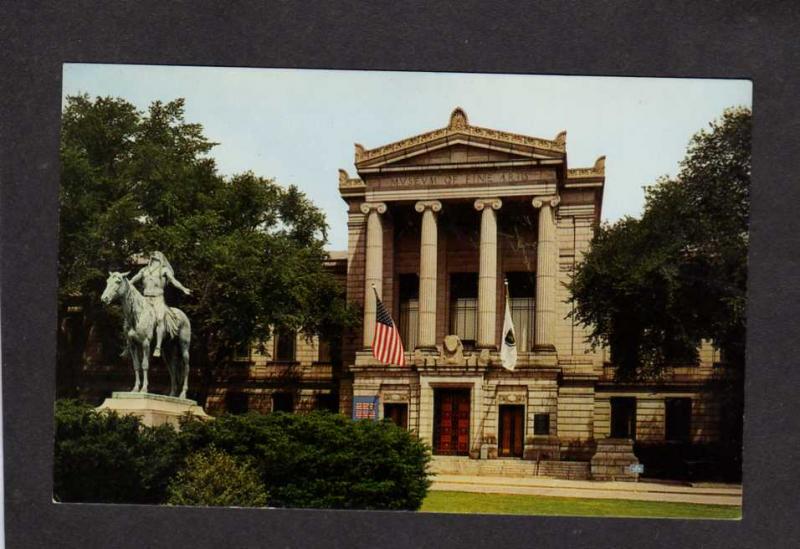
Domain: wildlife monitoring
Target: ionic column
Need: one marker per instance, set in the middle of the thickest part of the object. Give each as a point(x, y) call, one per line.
point(427, 273)
point(546, 274)
point(373, 268)
point(487, 272)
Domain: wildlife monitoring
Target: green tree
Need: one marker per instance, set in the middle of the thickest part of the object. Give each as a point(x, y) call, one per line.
point(652, 288)
point(212, 477)
point(251, 249)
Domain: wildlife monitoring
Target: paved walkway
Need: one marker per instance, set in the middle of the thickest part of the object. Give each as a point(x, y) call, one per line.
point(718, 494)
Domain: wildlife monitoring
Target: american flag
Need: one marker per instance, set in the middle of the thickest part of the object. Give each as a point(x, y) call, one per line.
point(386, 344)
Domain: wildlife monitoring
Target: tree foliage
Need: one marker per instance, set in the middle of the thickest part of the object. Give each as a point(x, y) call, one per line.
point(652, 288)
point(250, 249)
point(213, 478)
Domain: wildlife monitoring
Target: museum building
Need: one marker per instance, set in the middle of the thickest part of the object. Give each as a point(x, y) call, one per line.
point(438, 223)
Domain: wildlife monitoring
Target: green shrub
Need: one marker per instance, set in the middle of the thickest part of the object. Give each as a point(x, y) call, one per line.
point(105, 457)
point(212, 477)
point(323, 460)
point(316, 460)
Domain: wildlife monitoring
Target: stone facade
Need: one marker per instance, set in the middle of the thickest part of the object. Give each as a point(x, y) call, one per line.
point(298, 373)
point(436, 224)
point(464, 203)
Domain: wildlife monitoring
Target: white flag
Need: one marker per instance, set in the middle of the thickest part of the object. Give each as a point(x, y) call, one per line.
point(508, 350)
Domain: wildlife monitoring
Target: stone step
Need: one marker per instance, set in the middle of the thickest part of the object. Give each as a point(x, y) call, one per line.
point(515, 468)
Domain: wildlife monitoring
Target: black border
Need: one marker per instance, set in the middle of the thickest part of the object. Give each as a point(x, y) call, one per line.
point(615, 38)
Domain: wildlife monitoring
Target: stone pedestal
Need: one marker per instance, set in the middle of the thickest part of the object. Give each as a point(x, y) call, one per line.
point(153, 410)
point(489, 447)
point(542, 448)
point(613, 459)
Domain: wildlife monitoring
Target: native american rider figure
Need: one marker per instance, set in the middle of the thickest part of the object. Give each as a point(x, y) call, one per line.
point(154, 278)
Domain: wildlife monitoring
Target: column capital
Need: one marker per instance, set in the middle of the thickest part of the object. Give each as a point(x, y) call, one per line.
point(367, 207)
point(433, 205)
point(493, 203)
point(551, 201)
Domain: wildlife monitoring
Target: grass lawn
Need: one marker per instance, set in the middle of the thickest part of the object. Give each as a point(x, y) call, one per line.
point(508, 504)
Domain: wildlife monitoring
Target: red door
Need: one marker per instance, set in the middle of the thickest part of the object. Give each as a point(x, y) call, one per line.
point(451, 422)
point(512, 430)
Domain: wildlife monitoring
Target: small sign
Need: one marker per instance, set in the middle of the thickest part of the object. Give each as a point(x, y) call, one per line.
point(365, 407)
point(636, 468)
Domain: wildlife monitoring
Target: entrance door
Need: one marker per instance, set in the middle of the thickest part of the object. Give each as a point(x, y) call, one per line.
point(451, 421)
point(623, 417)
point(397, 413)
point(512, 430)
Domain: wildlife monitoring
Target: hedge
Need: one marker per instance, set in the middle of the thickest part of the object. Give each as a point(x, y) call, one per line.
point(315, 460)
point(108, 458)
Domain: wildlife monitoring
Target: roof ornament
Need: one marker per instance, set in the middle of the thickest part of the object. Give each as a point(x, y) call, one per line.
point(359, 151)
point(561, 138)
point(458, 119)
point(343, 177)
point(600, 164)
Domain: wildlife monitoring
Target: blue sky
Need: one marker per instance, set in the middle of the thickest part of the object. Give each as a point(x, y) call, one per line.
point(299, 126)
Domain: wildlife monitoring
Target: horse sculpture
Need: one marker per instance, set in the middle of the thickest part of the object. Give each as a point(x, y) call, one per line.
point(139, 327)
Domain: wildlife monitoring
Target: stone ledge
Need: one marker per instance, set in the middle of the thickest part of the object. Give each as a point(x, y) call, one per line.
point(153, 410)
point(127, 395)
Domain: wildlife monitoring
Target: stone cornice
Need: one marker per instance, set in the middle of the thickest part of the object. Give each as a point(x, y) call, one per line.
point(596, 171)
point(494, 203)
point(347, 182)
point(459, 125)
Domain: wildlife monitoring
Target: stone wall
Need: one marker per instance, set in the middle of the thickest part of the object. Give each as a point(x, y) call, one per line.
point(650, 418)
point(575, 414)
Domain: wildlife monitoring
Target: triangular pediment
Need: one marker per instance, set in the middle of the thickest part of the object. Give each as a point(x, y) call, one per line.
point(459, 151)
point(462, 144)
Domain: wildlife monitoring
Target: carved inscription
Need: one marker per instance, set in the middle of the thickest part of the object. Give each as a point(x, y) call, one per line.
point(494, 177)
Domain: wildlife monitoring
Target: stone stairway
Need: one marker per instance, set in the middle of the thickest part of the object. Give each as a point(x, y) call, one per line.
point(509, 467)
point(570, 470)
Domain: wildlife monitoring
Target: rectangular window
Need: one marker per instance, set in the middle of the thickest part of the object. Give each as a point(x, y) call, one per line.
point(623, 417)
point(242, 351)
point(323, 350)
point(464, 307)
point(397, 414)
point(522, 293)
point(677, 419)
point(285, 347)
point(282, 402)
point(541, 424)
point(522, 312)
point(236, 402)
point(408, 319)
point(328, 402)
